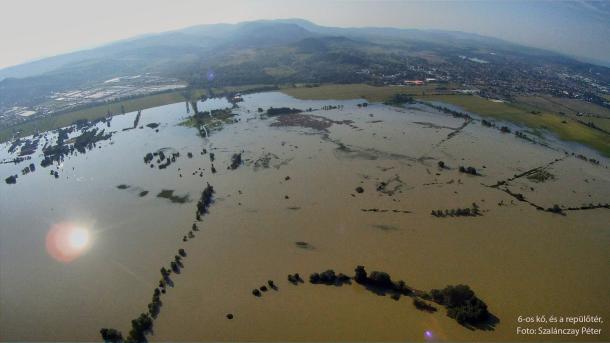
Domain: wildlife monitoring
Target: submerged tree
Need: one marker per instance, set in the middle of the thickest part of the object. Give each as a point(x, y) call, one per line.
point(111, 335)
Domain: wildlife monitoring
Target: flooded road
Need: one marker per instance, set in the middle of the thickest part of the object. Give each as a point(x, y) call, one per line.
point(298, 183)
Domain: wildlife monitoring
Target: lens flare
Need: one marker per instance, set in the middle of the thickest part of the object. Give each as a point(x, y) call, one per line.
point(428, 335)
point(211, 75)
point(78, 238)
point(66, 241)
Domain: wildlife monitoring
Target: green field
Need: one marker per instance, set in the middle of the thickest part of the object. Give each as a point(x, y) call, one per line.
point(563, 105)
point(564, 127)
point(355, 91)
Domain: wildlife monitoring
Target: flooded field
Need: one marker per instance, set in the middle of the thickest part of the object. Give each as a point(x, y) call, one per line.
point(332, 187)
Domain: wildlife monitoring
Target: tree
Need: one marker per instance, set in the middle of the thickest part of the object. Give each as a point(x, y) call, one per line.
point(360, 276)
point(140, 327)
point(111, 335)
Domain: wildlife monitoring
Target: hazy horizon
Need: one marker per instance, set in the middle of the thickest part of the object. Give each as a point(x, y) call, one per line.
point(576, 28)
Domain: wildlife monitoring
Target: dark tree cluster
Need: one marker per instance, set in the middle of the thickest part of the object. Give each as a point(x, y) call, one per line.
point(468, 170)
point(462, 304)
point(11, 180)
point(154, 307)
point(329, 278)
point(505, 129)
point(295, 278)
point(28, 169)
point(331, 107)
point(86, 141)
point(55, 153)
point(257, 291)
point(473, 211)
point(400, 99)
point(111, 335)
point(423, 306)
point(487, 123)
point(140, 327)
point(584, 158)
point(364, 104)
point(454, 113)
point(29, 147)
point(555, 209)
point(137, 119)
point(148, 157)
point(205, 201)
point(273, 111)
point(163, 160)
point(14, 145)
point(235, 161)
point(175, 267)
point(381, 281)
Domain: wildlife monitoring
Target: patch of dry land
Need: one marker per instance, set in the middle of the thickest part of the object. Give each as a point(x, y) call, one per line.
point(430, 197)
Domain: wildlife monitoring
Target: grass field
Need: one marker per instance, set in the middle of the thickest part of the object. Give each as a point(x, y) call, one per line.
point(602, 123)
point(564, 127)
point(566, 106)
point(355, 91)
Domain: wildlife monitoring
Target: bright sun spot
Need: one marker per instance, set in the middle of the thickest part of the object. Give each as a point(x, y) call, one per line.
point(66, 241)
point(78, 238)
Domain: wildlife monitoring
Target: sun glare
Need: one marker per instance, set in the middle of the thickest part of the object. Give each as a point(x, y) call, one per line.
point(78, 238)
point(66, 241)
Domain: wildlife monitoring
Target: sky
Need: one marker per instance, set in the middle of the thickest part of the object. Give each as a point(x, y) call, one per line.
point(32, 29)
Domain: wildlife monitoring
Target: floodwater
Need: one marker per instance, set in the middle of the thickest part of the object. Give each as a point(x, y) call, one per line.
point(521, 261)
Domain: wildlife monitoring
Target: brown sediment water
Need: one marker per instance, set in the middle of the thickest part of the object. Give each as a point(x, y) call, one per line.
point(519, 260)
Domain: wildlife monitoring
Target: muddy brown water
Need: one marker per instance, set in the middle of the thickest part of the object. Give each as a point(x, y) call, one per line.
point(519, 260)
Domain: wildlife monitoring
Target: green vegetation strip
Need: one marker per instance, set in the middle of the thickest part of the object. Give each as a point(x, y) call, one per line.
point(564, 127)
point(356, 91)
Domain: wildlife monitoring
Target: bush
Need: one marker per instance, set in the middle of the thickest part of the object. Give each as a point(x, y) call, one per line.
point(282, 110)
point(329, 278)
point(360, 276)
point(399, 99)
point(461, 303)
point(140, 327)
point(423, 306)
point(111, 335)
point(381, 279)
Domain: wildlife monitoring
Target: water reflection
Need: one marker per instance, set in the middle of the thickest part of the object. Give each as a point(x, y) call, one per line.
point(67, 241)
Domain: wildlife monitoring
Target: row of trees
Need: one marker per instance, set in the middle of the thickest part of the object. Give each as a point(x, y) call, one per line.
point(474, 211)
point(462, 304)
point(143, 325)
